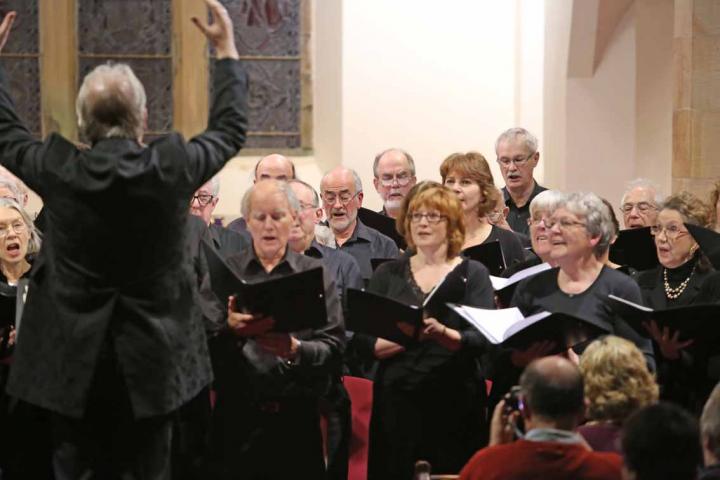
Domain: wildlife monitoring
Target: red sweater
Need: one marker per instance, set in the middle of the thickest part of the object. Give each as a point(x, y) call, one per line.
point(528, 460)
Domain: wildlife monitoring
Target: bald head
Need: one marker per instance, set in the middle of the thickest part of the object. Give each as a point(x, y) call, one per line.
point(553, 389)
point(111, 103)
point(275, 167)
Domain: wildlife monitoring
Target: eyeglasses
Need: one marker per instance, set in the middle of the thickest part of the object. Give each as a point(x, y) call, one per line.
point(331, 197)
point(537, 221)
point(402, 179)
point(562, 223)
point(431, 217)
point(518, 161)
point(672, 231)
point(641, 206)
point(307, 206)
point(202, 199)
point(17, 227)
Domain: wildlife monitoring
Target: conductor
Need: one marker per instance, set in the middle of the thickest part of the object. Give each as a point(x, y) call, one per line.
point(111, 341)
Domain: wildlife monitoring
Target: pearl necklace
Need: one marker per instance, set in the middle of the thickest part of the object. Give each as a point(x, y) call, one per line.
point(673, 293)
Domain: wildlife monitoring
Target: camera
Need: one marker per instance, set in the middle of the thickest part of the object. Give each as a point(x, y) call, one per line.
point(513, 400)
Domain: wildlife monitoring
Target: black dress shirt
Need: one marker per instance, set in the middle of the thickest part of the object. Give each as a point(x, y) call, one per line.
point(249, 371)
point(518, 216)
point(342, 266)
point(367, 243)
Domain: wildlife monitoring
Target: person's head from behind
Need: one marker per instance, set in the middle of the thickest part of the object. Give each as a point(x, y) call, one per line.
point(617, 380)
point(394, 172)
point(661, 442)
point(205, 199)
point(18, 236)
point(10, 188)
point(270, 207)
point(552, 394)
point(710, 428)
point(274, 167)
point(431, 218)
point(469, 176)
point(111, 103)
point(640, 203)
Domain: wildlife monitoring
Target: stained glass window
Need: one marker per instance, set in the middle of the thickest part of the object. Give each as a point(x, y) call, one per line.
point(21, 61)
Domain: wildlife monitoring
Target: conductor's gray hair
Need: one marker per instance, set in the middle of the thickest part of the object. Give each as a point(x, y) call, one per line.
point(658, 196)
point(282, 187)
point(119, 112)
point(34, 241)
point(214, 184)
point(598, 221)
point(13, 187)
point(518, 133)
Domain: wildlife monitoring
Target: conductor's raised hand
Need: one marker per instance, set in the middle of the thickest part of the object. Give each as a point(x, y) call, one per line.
point(5, 28)
point(220, 31)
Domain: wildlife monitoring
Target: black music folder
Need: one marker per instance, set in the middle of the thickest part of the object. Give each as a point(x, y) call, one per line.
point(8, 302)
point(509, 327)
point(376, 262)
point(708, 241)
point(383, 317)
point(505, 287)
point(489, 254)
point(635, 247)
point(700, 322)
point(295, 301)
point(383, 224)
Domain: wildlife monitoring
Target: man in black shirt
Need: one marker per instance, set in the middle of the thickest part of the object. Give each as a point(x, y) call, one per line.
point(517, 154)
point(265, 423)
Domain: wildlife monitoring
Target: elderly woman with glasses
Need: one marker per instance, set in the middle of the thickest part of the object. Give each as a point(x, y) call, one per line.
point(19, 448)
point(469, 176)
point(580, 231)
point(429, 398)
point(678, 281)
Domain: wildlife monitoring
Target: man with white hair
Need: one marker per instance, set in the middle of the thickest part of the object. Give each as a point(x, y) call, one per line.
point(518, 155)
point(640, 203)
point(394, 172)
point(342, 195)
point(111, 340)
point(265, 422)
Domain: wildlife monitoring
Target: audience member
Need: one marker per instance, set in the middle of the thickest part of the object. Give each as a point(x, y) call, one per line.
point(342, 195)
point(551, 406)
point(640, 203)
point(710, 436)
point(661, 442)
point(518, 155)
point(714, 204)
point(394, 172)
point(617, 382)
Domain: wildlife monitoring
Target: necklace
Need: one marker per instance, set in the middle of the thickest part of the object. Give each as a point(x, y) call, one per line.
point(673, 293)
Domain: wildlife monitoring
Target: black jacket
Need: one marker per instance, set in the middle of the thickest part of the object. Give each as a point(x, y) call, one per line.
point(113, 269)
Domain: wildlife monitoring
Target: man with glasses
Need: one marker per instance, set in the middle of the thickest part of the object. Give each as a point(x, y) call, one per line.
point(394, 172)
point(517, 154)
point(640, 203)
point(202, 205)
point(341, 193)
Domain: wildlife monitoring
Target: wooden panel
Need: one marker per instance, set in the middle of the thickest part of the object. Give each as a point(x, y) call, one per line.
point(58, 67)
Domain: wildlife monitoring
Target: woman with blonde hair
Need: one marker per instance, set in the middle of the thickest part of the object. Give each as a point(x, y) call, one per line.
point(617, 382)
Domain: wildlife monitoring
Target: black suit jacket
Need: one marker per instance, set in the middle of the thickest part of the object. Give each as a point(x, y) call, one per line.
point(114, 269)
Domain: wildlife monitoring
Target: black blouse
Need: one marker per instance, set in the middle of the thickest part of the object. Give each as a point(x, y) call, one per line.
point(428, 361)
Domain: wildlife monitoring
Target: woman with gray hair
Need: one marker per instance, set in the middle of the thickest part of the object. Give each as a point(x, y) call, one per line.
point(580, 231)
